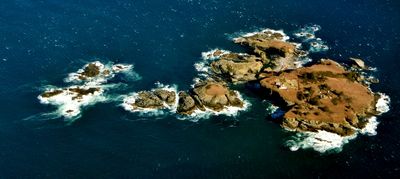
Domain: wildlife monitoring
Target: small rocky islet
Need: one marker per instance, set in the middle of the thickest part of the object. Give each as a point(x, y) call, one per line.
point(87, 88)
point(323, 96)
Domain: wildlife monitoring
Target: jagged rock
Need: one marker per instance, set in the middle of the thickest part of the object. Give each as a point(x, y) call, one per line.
point(359, 63)
point(323, 96)
point(273, 50)
point(154, 99)
point(78, 91)
point(167, 96)
point(147, 99)
point(237, 67)
point(52, 93)
point(91, 70)
point(186, 104)
point(83, 91)
point(97, 72)
point(215, 96)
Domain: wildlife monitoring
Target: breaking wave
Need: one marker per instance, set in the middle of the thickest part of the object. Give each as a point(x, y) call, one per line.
point(321, 141)
point(86, 90)
point(307, 35)
point(383, 103)
point(237, 35)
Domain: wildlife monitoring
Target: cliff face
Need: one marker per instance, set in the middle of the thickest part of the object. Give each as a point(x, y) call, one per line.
point(322, 97)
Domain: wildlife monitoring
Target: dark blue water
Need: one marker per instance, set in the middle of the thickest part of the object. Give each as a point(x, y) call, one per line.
point(42, 41)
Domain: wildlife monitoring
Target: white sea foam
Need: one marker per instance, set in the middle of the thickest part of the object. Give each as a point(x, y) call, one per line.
point(203, 66)
point(285, 37)
point(214, 54)
point(307, 36)
point(107, 71)
point(321, 141)
point(318, 45)
point(118, 68)
point(383, 103)
point(370, 128)
point(130, 99)
point(307, 33)
point(69, 104)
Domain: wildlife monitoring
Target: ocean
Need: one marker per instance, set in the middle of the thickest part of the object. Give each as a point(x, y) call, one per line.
point(41, 42)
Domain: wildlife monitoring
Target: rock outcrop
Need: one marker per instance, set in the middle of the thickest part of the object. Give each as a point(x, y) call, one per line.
point(272, 48)
point(97, 72)
point(323, 96)
point(71, 99)
point(155, 99)
point(215, 96)
point(75, 91)
point(237, 67)
point(209, 94)
point(186, 103)
point(91, 70)
point(358, 63)
point(270, 53)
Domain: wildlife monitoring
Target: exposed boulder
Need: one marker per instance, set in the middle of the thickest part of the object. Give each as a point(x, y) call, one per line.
point(358, 63)
point(186, 104)
point(91, 70)
point(215, 96)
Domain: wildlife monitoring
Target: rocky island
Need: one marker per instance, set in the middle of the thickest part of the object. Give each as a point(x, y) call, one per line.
point(205, 95)
point(209, 94)
point(154, 99)
point(324, 96)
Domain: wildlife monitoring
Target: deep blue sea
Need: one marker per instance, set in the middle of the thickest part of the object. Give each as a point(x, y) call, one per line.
point(41, 41)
